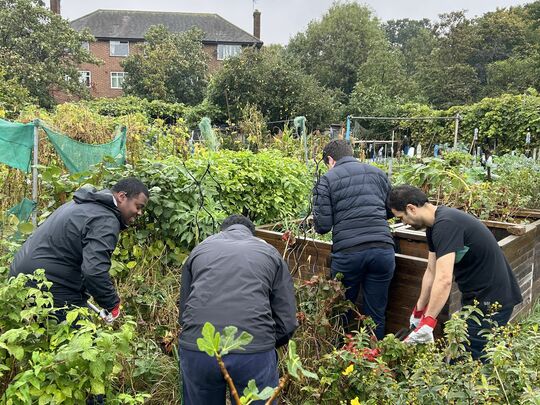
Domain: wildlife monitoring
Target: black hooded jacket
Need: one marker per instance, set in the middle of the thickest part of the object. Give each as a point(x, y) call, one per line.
point(74, 247)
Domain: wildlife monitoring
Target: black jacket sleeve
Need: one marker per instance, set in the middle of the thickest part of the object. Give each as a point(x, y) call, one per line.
point(322, 207)
point(283, 303)
point(98, 244)
point(185, 286)
point(387, 187)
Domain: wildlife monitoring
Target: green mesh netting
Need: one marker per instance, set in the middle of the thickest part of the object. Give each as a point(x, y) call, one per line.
point(208, 134)
point(79, 156)
point(23, 210)
point(16, 142)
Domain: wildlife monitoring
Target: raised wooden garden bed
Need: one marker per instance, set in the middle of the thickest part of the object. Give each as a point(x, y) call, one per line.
point(520, 243)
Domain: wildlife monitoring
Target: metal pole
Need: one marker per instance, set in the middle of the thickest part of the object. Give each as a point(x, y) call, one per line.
point(456, 128)
point(35, 172)
point(391, 158)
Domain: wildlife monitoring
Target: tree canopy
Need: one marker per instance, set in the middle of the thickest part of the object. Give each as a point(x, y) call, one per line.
point(40, 51)
point(170, 66)
point(274, 83)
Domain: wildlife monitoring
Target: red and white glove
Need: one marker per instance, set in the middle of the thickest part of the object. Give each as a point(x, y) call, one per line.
point(416, 316)
point(110, 316)
point(423, 332)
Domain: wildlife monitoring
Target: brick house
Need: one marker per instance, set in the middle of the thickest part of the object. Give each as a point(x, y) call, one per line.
point(119, 32)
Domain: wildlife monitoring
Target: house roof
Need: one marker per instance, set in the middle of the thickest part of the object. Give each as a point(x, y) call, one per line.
point(131, 24)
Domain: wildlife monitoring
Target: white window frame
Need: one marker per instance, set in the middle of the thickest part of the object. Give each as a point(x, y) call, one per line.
point(112, 45)
point(117, 75)
point(83, 74)
point(85, 45)
point(225, 51)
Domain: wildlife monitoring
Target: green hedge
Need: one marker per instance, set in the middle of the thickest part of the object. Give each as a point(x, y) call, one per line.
point(503, 120)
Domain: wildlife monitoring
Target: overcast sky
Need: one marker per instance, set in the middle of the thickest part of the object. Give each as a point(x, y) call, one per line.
point(281, 19)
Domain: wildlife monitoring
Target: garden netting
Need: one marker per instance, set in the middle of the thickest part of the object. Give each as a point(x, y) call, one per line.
point(79, 156)
point(23, 210)
point(16, 143)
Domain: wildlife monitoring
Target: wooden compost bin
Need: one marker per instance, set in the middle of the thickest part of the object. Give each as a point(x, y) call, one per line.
point(308, 257)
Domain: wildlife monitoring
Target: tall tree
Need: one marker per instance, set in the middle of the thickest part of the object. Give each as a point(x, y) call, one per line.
point(333, 48)
point(513, 75)
point(415, 39)
point(274, 84)
point(13, 96)
point(445, 76)
point(500, 35)
point(170, 66)
point(40, 50)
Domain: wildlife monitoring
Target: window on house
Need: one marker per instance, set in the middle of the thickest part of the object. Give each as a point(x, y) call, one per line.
point(85, 78)
point(119, 48)
point(85, 45)
point(117, 79)
point(228, 51)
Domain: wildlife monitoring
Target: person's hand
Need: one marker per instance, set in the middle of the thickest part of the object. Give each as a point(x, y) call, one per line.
point(416, 316)
point(110, 316)
point(423, 332)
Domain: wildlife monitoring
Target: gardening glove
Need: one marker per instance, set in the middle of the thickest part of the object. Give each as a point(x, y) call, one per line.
point(416, 316)
point(423, 332)
point(110, 316)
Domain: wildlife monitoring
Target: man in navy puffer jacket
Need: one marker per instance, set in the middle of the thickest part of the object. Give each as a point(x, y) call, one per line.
point(350, 200)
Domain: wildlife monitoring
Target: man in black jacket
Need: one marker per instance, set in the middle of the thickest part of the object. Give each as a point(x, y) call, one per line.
point(233, 278)
point(350, 200)
point(74, 245)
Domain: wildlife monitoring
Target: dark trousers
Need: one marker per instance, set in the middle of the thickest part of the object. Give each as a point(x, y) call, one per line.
point(203, 383)
point(478, 342)
point(371, 269)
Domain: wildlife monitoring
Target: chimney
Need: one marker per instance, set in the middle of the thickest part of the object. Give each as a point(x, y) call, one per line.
point(55, 6)
point(256, 24)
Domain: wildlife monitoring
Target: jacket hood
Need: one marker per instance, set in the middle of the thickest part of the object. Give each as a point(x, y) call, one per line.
point(103, 197)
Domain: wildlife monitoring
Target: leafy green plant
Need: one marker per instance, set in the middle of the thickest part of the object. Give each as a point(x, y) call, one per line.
point(44, 361)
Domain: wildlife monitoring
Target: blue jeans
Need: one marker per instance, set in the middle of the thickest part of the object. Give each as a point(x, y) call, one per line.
point(203, 383)
point(372, 269)
point(478, 342)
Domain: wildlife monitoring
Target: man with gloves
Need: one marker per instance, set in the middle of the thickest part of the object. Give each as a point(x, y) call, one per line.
point(75, 243)
point(460, 247)
point(234, 279)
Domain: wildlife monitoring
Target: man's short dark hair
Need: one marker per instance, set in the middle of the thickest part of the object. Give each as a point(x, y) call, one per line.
point(401, 196)
point(131, 186)
point(337, 149)
point(238, 219)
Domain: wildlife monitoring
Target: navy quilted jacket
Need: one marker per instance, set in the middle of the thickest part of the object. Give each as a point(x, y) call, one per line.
point(350, 200)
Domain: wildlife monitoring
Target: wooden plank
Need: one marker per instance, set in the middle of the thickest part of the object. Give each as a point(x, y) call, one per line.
point(411, 247)
point(409, 233)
